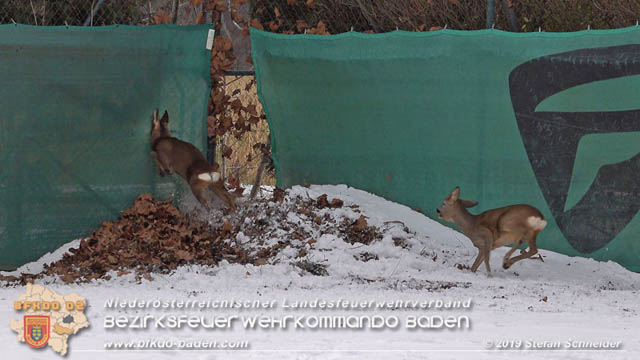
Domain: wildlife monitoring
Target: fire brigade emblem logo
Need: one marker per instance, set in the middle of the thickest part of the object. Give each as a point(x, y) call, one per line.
point(36, 330)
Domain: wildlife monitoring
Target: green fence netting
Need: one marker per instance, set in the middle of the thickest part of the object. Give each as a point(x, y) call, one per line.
point(548, 119)
point(75, 119)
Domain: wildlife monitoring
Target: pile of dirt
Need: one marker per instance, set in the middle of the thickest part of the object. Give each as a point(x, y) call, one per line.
point(155, 237)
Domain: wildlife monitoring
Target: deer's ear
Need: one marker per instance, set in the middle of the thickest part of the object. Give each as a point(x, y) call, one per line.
point(155, 116)
point(165, 117)
point(454, 194)
point(468, 203)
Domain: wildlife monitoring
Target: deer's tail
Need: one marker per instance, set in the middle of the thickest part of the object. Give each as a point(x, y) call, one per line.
point(211, 177)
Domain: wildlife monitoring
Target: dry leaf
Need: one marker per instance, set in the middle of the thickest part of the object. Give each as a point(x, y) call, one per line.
point(236, 104)
point(255, 23)
point(220, 5)
point(336, 203)
point(322, 202)
point(278, 195)
point(162, 17)
point(227, 151)
point(234, 182)
point(360, 224)
point(322, 27)
point(273, 26)
point(301, 25)
point(184, 255)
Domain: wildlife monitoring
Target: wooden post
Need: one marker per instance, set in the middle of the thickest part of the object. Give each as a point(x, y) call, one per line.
point(512, 19)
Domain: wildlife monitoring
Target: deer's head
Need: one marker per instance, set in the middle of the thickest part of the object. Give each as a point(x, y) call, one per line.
point(453, 205)
point(160, 127)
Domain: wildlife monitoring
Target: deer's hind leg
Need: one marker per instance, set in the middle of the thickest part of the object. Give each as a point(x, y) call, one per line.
point(199, 190)
point(505, 238)
point(530, 238)
point(505, 261)
point(223, 194)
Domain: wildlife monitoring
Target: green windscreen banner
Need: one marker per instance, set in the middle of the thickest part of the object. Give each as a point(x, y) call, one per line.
point(547, 119)
point(76, 107)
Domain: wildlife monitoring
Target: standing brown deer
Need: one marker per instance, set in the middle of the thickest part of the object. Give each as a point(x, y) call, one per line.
point(513, 224)
point(174, 155)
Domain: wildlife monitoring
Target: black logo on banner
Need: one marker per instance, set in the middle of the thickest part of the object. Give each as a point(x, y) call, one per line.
point(551, 141)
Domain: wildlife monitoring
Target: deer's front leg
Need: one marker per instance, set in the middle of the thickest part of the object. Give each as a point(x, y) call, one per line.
point(161, 170)
point(165, 162)
point(487, 250)
point(478, 261)
point(483, 239)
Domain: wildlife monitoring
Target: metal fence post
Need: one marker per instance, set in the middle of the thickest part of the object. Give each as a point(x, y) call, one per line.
point(94, 10)
point(491, 8)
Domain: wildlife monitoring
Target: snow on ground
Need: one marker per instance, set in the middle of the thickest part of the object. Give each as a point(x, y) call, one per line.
point(561, 299)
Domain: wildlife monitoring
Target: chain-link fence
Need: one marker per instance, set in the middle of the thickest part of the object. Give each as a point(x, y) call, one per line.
point(75, 12)
point(244, 160)
point(336, 16)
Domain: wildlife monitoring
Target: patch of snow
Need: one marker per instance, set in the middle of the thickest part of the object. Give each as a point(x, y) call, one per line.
point(38, 265)
point(563, 298)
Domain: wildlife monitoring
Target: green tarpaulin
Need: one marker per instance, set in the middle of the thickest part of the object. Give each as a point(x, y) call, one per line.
point(548, 119)
point(75, 119)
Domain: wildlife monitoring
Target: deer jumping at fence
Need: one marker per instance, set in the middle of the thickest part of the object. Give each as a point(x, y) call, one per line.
point(174, 155)
point(513, 224)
